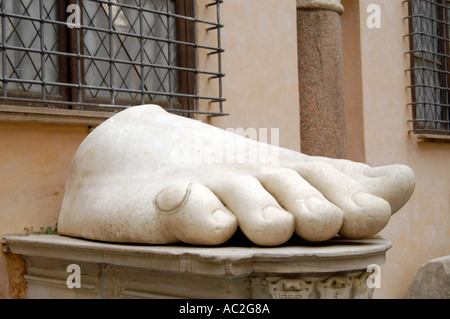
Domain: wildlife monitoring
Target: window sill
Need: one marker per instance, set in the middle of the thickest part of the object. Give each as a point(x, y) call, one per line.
point(13, 113)
point(433, 138)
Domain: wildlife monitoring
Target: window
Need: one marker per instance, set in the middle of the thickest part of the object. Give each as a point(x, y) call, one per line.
point(429, 53)
point(121, 53)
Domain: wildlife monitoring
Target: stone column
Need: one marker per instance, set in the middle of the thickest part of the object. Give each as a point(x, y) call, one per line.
point(321, 78)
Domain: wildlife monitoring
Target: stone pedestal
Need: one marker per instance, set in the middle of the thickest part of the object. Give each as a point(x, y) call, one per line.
point(321, 78)
point(334, 269)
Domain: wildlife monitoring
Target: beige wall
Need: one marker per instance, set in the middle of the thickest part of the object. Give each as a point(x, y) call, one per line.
point(354, 111)
point(260, 63)
point(421, 230)
point(34, 164)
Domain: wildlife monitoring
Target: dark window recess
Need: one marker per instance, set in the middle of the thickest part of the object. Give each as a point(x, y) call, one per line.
point(122, 54)
point(429, 55)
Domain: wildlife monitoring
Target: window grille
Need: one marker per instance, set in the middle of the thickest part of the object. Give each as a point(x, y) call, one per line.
point(430, 66)
point(122, 53)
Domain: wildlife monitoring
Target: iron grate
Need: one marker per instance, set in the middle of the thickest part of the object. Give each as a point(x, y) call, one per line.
point(429, 53)
point(121, 54)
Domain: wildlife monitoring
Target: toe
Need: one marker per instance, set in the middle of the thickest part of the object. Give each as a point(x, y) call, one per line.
point(364, 214)
point(394, 183)
point(261, 218)
point(316, 219)
point(194, 215)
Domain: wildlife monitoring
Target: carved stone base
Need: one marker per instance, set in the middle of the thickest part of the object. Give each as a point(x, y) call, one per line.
point(334, 269)
point(331, 286)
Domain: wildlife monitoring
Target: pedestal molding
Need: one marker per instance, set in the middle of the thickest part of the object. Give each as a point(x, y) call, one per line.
point(330, 5)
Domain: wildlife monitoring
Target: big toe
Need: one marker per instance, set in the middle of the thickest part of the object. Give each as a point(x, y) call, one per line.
point(194, 215)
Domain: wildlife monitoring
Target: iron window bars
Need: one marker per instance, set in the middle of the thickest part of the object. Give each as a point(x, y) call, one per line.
point(429, 53)
point(121, 54)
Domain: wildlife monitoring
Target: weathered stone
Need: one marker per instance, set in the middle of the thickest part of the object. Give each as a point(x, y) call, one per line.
point(432, 280)
point(334, 269)
point(330, 5)
point(321, 79)
point(137, 178)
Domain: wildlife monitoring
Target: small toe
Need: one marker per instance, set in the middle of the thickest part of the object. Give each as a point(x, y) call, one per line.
point(320, 220)
point(261, 218)
point(316, 219)
point(394, 183)
point(364, 214)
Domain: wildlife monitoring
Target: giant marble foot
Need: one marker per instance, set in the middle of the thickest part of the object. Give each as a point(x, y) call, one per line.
point(148, 176)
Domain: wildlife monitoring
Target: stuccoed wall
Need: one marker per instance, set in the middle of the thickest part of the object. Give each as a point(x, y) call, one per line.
point(420, 231)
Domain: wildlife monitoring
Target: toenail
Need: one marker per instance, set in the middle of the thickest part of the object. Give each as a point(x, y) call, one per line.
point(362, 199)
point(222, 217)
point(376, 171)
point(172, 198)
point(312, 203)
point(271, 212)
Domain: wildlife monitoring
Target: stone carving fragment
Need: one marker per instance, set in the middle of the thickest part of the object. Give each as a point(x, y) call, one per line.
point(432, 280)
point(335, 288)
point(291, 288)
